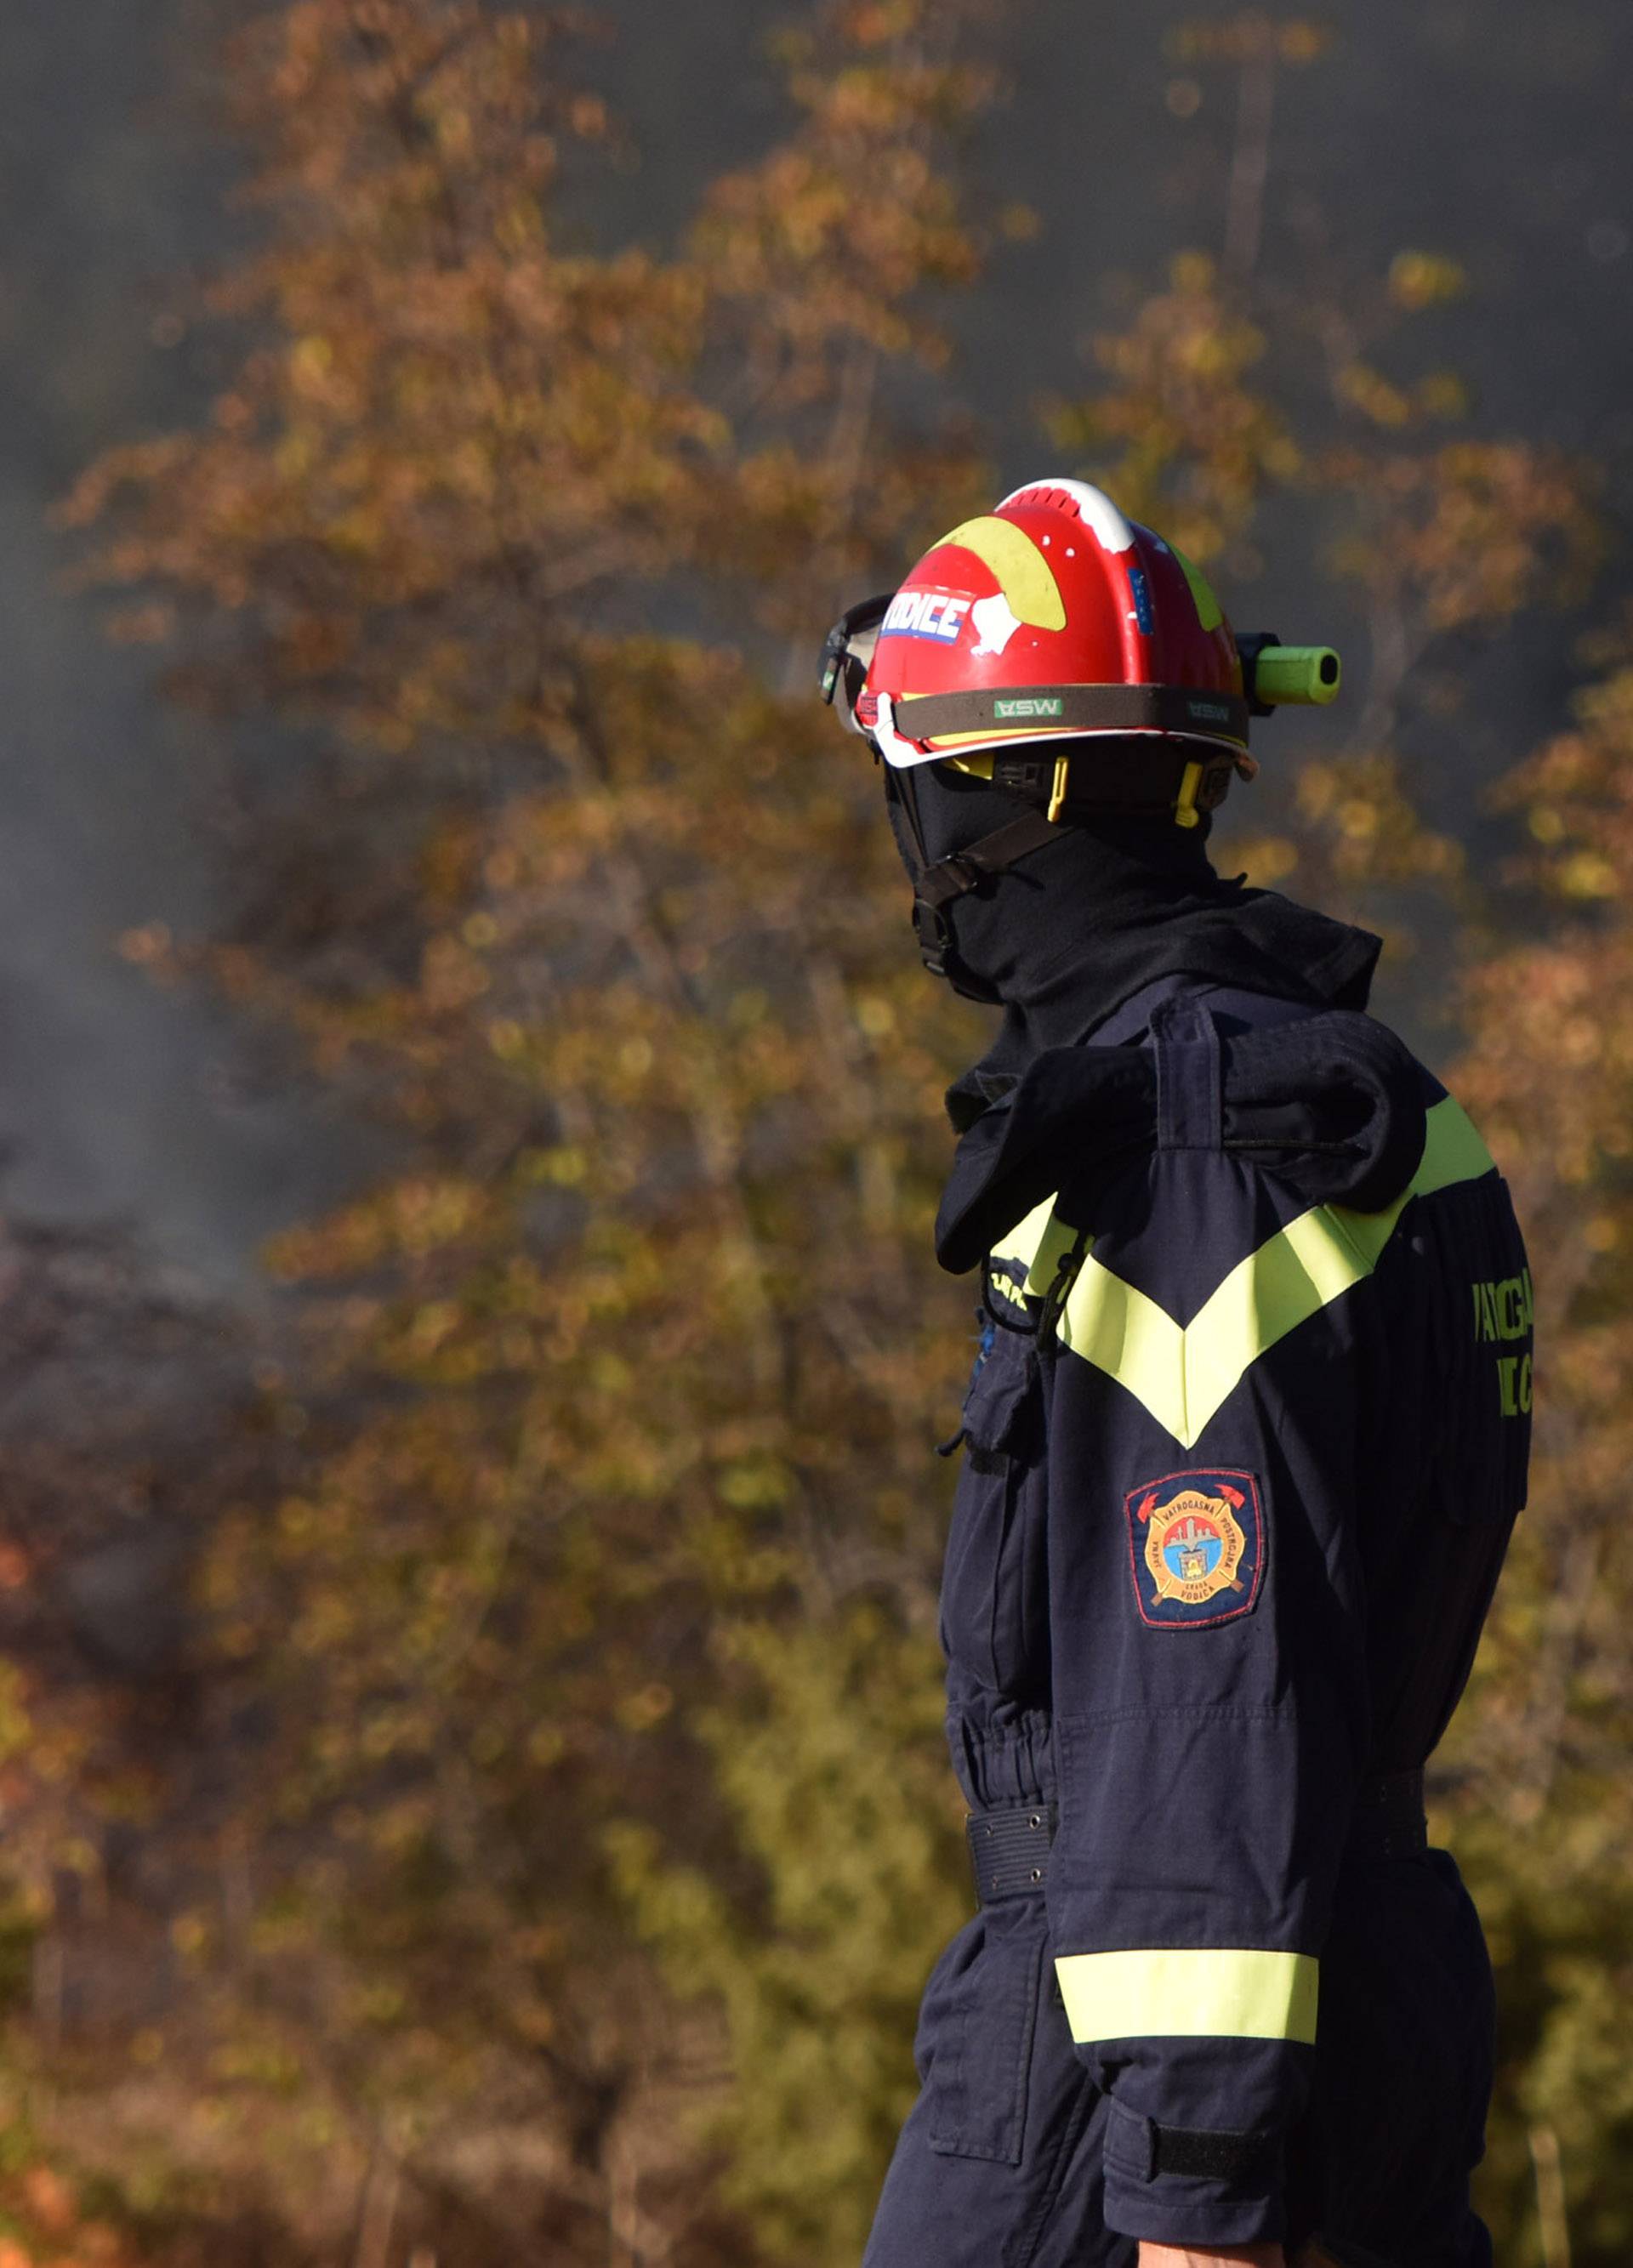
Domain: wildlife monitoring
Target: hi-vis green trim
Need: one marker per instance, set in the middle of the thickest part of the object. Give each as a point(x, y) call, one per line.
point(1181, 1993)
point(1182, 1376)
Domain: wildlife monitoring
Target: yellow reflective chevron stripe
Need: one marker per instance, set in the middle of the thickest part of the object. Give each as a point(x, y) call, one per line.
point(1190, 1994)
point(1453, 1151)
point(1026, 1244)
point(1183, 1375)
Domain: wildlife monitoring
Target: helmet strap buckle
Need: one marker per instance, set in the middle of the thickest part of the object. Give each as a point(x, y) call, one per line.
point(930, 927)
point(1187, 812)
point(1057, 792)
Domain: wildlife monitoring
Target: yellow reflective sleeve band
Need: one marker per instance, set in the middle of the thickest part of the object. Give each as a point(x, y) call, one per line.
point(1190, 1994)
point(1183, 1376)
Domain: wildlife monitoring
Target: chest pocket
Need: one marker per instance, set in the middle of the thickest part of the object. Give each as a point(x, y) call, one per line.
point(994, 1582)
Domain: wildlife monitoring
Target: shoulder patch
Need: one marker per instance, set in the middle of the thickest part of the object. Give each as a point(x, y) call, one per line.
point(1196, 1547)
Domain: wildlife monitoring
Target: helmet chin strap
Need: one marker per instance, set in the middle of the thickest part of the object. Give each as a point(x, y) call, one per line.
point(1066, 788)
point(938, 883)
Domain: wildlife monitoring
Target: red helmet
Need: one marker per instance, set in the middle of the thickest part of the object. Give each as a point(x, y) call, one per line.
point(1072, 657)
point(1053, 618)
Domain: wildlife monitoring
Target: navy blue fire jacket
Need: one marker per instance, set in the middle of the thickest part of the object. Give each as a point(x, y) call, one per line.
point(1244, 1445)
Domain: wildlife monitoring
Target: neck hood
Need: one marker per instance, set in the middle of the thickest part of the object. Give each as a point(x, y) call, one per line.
point(1080, 926)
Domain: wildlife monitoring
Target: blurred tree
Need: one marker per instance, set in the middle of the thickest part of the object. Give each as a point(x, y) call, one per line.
point(575, 1618)
point(1441, 540)
point(626, 1389)
point(1544, 1799)
point(112, 1372)
point(1259, 46)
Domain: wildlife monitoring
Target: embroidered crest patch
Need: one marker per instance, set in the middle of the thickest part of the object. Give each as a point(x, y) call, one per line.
point(1195, 1547)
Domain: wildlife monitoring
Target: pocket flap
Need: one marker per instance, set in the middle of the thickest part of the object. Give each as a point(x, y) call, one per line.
point(997, 1391)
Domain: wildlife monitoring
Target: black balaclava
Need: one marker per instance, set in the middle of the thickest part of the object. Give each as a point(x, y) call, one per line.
point(1067, 935)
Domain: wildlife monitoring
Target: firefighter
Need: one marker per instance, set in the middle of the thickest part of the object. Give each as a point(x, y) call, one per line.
point(1245, 1437)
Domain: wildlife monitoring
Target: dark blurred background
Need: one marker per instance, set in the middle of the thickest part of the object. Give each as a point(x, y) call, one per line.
point(472, 1779)
point(1497, 134)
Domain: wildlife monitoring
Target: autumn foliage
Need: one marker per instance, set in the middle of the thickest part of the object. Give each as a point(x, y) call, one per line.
point(548, 1849)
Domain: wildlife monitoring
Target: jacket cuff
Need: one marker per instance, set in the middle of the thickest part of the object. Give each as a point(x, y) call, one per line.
point(1183, 2185)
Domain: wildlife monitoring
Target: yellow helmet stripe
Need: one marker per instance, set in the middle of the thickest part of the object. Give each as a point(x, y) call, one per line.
point(1025, 576)
point(1208, 610)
